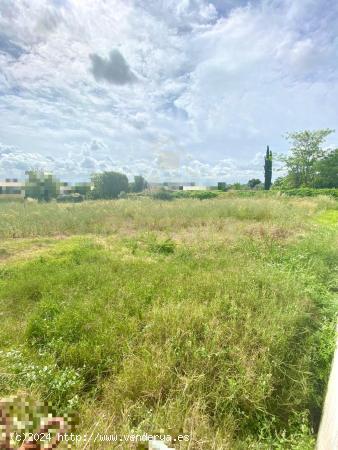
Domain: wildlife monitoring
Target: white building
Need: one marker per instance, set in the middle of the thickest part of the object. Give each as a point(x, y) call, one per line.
point(193, 188)
point(12, 189)
point(65, 188)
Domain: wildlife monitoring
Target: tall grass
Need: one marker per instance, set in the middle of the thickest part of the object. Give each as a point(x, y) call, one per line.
point(226, 333)
point(106, 217)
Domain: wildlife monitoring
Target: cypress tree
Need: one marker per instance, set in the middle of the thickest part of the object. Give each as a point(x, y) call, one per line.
point(267, 169)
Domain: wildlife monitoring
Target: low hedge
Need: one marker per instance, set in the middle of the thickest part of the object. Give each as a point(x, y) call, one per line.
point(69, 198)
point(200, 195)
point(309, 192)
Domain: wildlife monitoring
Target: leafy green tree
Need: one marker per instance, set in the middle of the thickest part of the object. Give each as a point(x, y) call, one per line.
point(109, 185)
point(139, 184)
point(82, 188)
point(222, 186)
point(163, 194)
point(237, 186)
point(326, 171)
point(280, 183)
point(267, 169)
point(305, 152)
point(41, 186)
point(253, 183)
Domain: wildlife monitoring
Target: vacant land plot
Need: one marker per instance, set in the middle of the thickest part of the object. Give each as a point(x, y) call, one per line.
point(212, 318)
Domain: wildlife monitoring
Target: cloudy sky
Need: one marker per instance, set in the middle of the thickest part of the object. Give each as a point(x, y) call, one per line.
point(171, 89)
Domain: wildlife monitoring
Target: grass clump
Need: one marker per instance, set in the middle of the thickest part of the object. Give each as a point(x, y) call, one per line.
point(166, 246)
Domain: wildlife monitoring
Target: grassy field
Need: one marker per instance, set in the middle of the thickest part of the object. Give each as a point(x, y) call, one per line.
point(213, 318)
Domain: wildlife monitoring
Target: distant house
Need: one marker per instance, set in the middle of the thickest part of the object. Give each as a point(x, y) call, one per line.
point(12, 188)
point(170, 185)
point(65, 188)
point(193, 188)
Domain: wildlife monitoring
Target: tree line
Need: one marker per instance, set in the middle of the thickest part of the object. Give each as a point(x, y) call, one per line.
point(308, 165)
point(106, 185)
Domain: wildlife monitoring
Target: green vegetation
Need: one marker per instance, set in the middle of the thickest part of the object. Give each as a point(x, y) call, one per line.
point(139, 184)
point(200, 195)
point(109, 185)
point(268, 169)
point(41, 186)
point(70, 198)
point(309, 164)
point(326, 171)
point(82, 188)
point(222, 186)
point(214, 317)
point(310, 192)
point(163, 194)
point(254, 183)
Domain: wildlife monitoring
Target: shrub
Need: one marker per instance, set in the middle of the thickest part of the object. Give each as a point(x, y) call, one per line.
point(200, 195)
point(222, 186)
point(139, 184)
point(108, 185)
point(204, 195)
point(122, 195)
point(165, 247)
point(163, 195)
point(70, 198)
point(309, 192)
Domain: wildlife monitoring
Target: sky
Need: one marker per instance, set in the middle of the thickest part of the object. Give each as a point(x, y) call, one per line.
point(174, 90)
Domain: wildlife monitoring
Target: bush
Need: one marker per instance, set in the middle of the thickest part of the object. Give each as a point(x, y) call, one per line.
point(108, 185)
point(309, 192)
point(165, 247)
point(222, 186)
point(201, 195)
point(122, 195)
point(70, 198)
point(163, 195)
point(139, 184)
point(204, 195)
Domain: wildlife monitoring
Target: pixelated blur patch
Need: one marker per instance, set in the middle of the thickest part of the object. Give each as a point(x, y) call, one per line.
point(28, 423)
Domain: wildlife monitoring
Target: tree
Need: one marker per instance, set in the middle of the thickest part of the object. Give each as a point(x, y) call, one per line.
point(222, 186)
point(280, 183)
point(326, 171)
point(237, 186)
point(305, 152)
point(82, 188)
point(41, 186)
point(139, 184)
point(267, 169)
point(163, 194)
point(253, 183)
point(109, 185)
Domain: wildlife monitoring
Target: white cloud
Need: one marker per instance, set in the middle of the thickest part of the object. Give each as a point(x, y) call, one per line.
point(215, 79)
point(165, 166)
